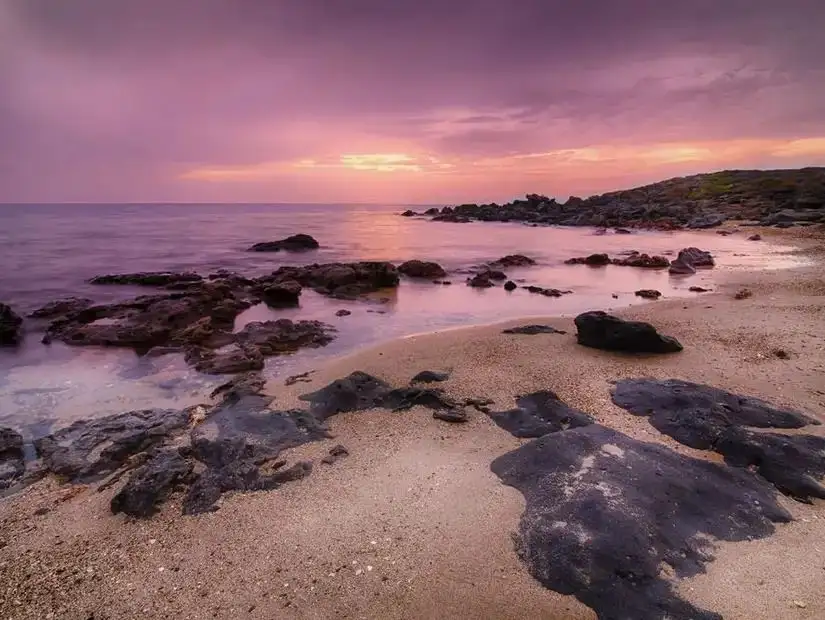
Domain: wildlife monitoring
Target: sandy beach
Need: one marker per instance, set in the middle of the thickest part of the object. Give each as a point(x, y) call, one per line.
point(413, 523)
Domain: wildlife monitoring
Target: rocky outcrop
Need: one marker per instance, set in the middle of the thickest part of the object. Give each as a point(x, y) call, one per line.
point(512, 260)
point(148, 278)
point(600, 330)
point(422, 269)
point(707, 418)
point(283, 336)
point(201, 316)
point(89, 449)
point(12, 464)
point(772, 197)
point(339, 280)
point(409, 213)
point(644, 261)
point(61, 307)
point(11, 327)
point(679, 267)
point(281, 294)
point(295, 243)
point(696, 257)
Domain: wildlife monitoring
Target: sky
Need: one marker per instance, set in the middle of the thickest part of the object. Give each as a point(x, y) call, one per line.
point(399, 101)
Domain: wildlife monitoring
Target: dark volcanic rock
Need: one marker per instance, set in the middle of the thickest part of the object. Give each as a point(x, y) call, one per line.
point(451, 217)
point(282, 294)
point(360, 391)
point(422, 269)
point(600, 330)
point(532, 330)
point(495, 274)
point(11, 327)
point(335, 453)
point(648, 293)
point(12, 465)
point(743, 293)
point(644, 261)
point(605, 512)
point(547, 292)
point(343, 312)
point(409, 213)
point(295, 243)
point(708, 418)
point(229, 360)
point(237, 439)
point(150, 278)
point(756, 237)
point(340, 280)
point(284, 335)
point(696, 257)
point(430, 376)
point(200, 316)
point(356, 392)
point(698, 289)
point(538, 414)
point(594, 260)
point(510, 286)
point(89, 449)
point(151, 484)
point(512, 260)
point(61, 307)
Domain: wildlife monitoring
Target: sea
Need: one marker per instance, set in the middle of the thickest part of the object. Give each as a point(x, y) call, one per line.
point(50, 251)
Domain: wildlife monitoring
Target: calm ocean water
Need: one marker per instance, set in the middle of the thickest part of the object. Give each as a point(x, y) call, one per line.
point(49, 251)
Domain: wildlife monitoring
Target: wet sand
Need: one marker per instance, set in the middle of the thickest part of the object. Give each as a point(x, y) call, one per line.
point(413, 523)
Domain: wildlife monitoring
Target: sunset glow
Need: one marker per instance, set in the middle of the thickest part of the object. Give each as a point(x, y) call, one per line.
point(147, 101)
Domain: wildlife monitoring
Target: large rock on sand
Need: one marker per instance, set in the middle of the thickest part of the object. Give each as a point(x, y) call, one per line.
point(11, 327)
point(295, 243)
point(600, 330)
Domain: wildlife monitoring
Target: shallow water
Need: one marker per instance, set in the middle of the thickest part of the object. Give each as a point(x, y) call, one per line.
point(49, 251)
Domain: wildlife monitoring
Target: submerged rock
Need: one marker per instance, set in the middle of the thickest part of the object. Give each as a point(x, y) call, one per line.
point(148, 278)
point(422, 269)
point(12, 465)
point(11, 327)
point(295, 243)
point(707, 418)
point(648, 293)
point(61, 307)
point(480, 280)
point(600, 330)
point(605, 512)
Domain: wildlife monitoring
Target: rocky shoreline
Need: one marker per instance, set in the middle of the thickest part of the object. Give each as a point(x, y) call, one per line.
point(780, 198)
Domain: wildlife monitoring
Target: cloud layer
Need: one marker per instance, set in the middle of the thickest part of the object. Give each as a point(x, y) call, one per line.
point(426, 101)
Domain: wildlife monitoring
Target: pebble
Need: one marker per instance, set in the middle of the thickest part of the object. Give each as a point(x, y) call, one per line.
point(800, 604)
